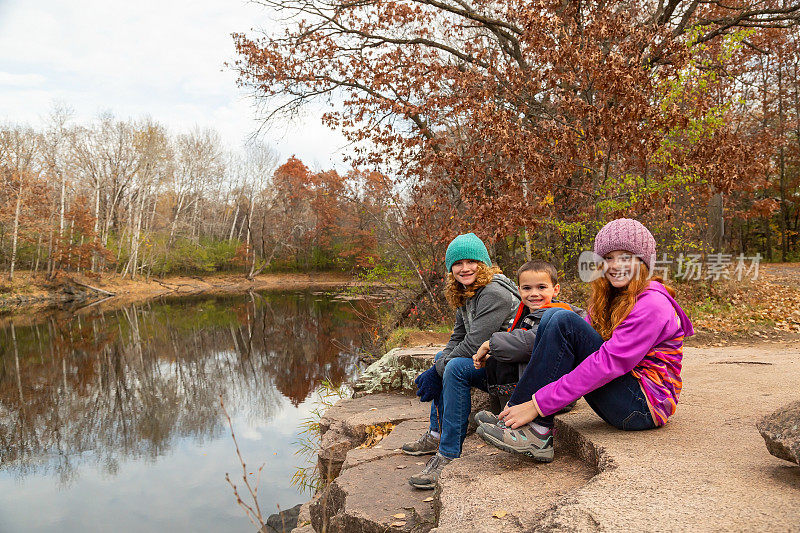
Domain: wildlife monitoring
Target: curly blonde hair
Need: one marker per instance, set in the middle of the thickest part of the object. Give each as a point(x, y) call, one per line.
point(457, 294)
point(609, 306)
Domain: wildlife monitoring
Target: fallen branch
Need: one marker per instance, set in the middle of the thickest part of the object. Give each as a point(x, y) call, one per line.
point(101, 291)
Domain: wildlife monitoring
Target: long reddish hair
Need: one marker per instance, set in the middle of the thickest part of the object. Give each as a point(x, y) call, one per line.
point(609, 306)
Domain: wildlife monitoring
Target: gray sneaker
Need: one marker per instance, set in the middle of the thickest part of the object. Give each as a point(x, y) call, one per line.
point(523, 440)
point(427, 479)
point(486, 417)
point(426, 444)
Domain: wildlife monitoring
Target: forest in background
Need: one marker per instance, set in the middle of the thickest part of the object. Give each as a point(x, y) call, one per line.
point(125, 196)
point(530, 123)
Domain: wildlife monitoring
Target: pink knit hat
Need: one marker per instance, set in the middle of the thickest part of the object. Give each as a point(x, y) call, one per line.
point(629, 235)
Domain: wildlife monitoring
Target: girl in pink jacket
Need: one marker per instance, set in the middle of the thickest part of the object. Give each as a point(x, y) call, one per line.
point(624, 359)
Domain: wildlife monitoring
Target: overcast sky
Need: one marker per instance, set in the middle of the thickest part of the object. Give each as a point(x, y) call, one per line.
point(135, 58)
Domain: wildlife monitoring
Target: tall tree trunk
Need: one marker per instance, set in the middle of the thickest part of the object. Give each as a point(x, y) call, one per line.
point(96, 224)
point(784, 216)
point(55, 247)
point(136, 232)
point(527, 245)
point(249, 235)
point(175, 218)
point(51, 260)
point(38, 252)
point(716, 222)
point(195, 231)
point(15, 234)
point(233, 222)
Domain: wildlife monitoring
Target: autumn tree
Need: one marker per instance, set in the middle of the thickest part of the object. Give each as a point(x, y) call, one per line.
point(538, 115)
point(19, 175)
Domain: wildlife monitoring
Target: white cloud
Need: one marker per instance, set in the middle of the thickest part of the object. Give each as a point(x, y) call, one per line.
point(8, 79)
point(164, 59)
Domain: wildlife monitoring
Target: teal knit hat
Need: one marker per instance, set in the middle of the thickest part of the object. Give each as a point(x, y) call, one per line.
point(466, 246)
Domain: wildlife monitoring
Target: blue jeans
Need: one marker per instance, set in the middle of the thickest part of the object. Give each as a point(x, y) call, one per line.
point(563, 341)
point(450, 411)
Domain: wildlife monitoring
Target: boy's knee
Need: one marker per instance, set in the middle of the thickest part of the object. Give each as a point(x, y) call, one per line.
point(563, 317)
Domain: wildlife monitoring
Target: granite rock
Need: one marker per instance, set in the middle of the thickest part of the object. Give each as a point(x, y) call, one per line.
point(395, 371)
point(781, 432)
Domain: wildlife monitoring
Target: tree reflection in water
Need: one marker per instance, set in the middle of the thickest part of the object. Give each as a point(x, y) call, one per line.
point(128, 383)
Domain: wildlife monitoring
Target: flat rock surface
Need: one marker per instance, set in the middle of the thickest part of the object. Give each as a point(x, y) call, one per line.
point(344, 426)
point(370, 496)
point(488, 490)
point(407, 431)
point(372, 489)
point(355, 414)
point(707, 469)
point(781, 432)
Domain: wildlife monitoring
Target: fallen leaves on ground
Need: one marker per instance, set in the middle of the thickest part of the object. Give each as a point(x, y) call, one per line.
point(500, 513)
point(729, 309)
point(375, 433)
point(759, 308)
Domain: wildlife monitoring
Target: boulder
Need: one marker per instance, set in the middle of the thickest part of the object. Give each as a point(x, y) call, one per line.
point(781, 432)
point(480, 402)
point(304, 518)
point(282, 522)
point(395, 371)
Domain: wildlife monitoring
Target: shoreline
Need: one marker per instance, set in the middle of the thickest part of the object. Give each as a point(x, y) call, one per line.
point(33, 293)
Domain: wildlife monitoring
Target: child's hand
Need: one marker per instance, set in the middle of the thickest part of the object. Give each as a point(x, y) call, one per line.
point(479, 359)
point(519, 415)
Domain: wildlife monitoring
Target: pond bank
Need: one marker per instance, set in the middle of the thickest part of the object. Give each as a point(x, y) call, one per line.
point(30, 292)
point(699, 472)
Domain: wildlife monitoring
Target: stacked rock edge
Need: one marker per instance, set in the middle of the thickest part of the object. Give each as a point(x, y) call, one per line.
point(781, 432)
point(368, 486)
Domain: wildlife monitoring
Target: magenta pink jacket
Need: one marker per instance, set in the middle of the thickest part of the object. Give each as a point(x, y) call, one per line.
point(656, 318)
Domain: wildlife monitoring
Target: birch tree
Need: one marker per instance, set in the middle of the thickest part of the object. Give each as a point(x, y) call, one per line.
point(18, 149)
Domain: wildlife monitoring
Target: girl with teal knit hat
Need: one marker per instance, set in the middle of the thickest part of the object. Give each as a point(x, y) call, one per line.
point(486, 302)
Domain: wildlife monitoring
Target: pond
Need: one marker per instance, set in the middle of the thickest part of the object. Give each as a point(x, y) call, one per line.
point(111, 420)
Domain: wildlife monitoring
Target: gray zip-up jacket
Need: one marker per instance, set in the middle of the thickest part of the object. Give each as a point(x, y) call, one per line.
point(492, 309)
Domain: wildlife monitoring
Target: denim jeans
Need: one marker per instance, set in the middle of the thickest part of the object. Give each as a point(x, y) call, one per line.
point(563, 341)
point(450, 411)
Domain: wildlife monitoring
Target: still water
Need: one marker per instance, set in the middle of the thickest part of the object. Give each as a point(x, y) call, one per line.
point(111, 421)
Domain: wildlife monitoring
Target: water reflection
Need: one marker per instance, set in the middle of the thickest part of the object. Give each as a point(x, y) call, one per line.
point(130, 384)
